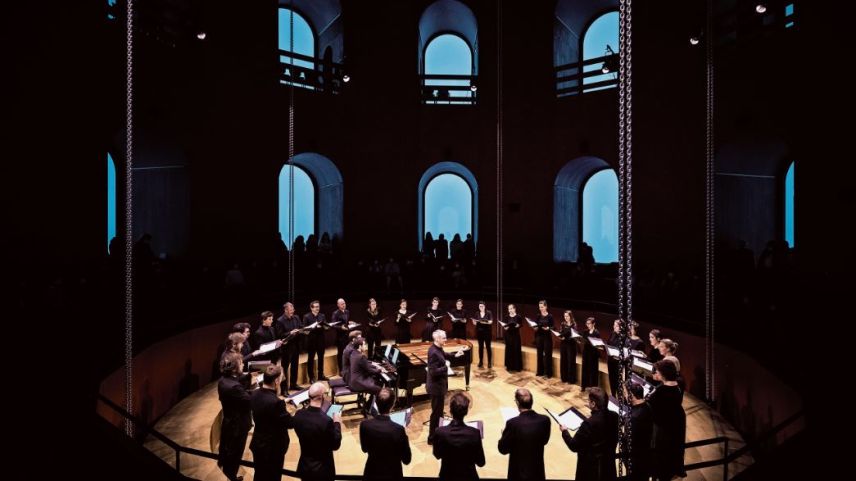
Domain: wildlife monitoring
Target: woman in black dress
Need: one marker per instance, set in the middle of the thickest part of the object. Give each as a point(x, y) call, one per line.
point(459, 326)
point(591, 355)
point(636, 342)
point(432, 320)
point(654, 338)
point(484, 323)
point(374, 336)
point(568, 352)
point(402, 322)
point(613, 367)
point(513, 354)
point(544, 340)
point(670, 423)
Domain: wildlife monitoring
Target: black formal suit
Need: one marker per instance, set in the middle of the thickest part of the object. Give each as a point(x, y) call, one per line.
point(264, 335)
point(642, 427)
point(290, 350)
point(595, 444)
point(387, 446)
point(362, 374)
point(315, 344)
point(319, 436)
point(437, 384)
point(670, 431)
point(345, 367)
point(237, 421)
point(524, 438)
point(459, 447)
point(270, 438)
point(342, 331)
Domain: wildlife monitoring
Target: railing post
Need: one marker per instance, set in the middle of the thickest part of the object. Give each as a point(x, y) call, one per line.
point(178, 461)
point(725, 464)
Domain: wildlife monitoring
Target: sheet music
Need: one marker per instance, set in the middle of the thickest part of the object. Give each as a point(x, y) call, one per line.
point(334, 408)
point(575, 334)
point(299, 398)
point(333, 324)
point(612, 350)
point(473, 424)
point(268, 346)
point(532, 324)
point(596, 341)
point(508, 413)
point(353, 324)
point(613, 406)
point(569, 418)
point(556, 333)
point(312, 326)
point(643, 364)
point(402, 418)
point(455, 319)
point(503, 324)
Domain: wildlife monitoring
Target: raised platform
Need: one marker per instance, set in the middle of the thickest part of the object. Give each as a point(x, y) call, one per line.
point(190, 423)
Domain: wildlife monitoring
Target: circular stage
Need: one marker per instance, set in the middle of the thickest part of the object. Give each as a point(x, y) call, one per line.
point(190, 423)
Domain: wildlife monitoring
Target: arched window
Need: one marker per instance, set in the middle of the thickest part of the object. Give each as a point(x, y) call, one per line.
point(789, 205)
point(302, 42)
point(304, 204)
point(448, 53)
point(600, 40)
point(450, 56)
point(448, 202)
point(111, 200)
point(600, 215)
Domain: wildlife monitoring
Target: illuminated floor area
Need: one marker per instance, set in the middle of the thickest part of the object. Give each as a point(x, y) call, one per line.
point(190, 424)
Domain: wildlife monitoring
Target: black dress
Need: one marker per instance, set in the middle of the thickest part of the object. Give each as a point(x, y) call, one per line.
point(670, 430)
point(513, 354)
point(568, 355)
point(431, 324)
point(402, 323)
point(591, 358)
point(374, 335)
point(613, 366)
point(544, 345)
point(459, 328)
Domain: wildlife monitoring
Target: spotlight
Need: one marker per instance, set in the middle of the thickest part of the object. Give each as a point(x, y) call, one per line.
point(694, 40)
point(605, 68)
point(760, 8)
point(473, 88)
point(346, 78)
point(201, 35)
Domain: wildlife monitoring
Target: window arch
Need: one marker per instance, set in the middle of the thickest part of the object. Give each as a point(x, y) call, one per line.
point(585, 208)
point(789, 205)
point(601, 40)
point(304, 204)
point(311, 56)
point(600, 215)
point(325, 204)
point(448, 53)
point(448, 202)
point(111, 200)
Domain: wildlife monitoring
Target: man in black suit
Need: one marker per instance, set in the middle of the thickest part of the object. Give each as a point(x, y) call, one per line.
point(315, 341)
point(524, 438)
point(363, 372)
point(319, 436)
point(642, 427)
point(236, 415)
point(343, 316)
point(345, 367)
point(289, 325)
point(437, 381)
point(457, 445)
point(270, 438)
point(385, 442)
point(266, 333)
point(595, 440)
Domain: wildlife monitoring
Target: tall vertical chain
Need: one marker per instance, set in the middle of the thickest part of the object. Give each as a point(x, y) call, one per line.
point(625, 219)
point(291, 276)
point(499, 153)
point(129, 209)
point(710, 224)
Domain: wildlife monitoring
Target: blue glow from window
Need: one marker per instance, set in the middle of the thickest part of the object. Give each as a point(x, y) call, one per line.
point(789, 205)
point(448, 207)
point(304, 40)
point(600, 215)
point(110, 5)
point(789, 9)
point(111, 200)
point(304, 204)
point(602, 32)
point(449, 54)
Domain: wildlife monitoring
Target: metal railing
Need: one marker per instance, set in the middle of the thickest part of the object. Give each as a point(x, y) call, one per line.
point(143, 428)
point(448, 89)
point(310, 73)
point(571, 77)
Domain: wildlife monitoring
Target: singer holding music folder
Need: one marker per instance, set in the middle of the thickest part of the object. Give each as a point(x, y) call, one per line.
point(458, 446)
point(289, 326)
point(374, 335)
point(403, 318)
point(385, 441)
point(595, 440)
point(433, 318)
point(437, 380)
point(544, 340)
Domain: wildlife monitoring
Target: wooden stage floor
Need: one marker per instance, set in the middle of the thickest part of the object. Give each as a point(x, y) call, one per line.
point(190, 422)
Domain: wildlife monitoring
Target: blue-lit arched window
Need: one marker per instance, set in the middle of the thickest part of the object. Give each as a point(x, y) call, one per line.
point(789, 205)
point(600, 39)
point(304, 204)
point(448, 207)
point(449, 54)
point(600, 215)
point(111, 200)
point(301, 43)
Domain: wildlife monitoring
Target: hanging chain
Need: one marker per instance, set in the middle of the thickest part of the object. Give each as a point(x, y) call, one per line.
point(129, 232)
point(291, 276)
point(710, 225)
point(499, 154)
point(625, 224)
